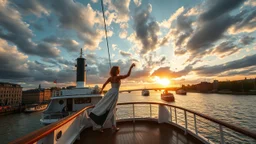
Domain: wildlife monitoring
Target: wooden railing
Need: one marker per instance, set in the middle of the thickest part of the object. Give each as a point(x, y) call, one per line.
point(196, 115)
point(43, 132)
point(230, 126)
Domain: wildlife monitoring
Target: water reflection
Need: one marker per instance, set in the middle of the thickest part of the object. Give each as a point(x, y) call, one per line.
point(238, 110)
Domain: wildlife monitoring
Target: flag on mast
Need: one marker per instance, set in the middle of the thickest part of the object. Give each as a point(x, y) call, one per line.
point(55, 81)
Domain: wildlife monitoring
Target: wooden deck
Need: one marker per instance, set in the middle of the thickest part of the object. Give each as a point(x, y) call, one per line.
point(140, 132)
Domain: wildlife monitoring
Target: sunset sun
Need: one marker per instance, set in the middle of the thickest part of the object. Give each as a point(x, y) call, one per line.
point(162, 81)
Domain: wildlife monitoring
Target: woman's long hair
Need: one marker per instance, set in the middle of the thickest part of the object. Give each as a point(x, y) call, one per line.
point(114, 71)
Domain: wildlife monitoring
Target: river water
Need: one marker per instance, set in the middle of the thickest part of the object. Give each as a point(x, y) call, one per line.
point(238, 110)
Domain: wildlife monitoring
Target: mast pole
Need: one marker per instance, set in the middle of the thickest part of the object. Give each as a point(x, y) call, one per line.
point(106, 32)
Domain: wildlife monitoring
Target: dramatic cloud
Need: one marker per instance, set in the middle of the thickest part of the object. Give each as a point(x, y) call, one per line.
point(152, 60)
point(199, 35)
point(114, 47)
point(208, 33)
point(146, 30)
point(250, 3)
point(218, 69)
point(16, 66)
point(94, 1)
point(59, 62)
point(142, 74)
point(168, 23)
point(193, 11)
point(123, 34)
point(135, 60)
point(17, 32)
point(121, 9)
point(125, 54)
point(225, 49)
point(69, 44)
point(31, 7)
point(83, 19)
point(246, 24)
point(181, 32)
point(164, 72)
point(247, 40)
point(243, 72)
point(33, 34)
point(91, 58)
point(219, 7)
point(180, 28)
point(41, 72)
point(13, 62)
point(137, 2)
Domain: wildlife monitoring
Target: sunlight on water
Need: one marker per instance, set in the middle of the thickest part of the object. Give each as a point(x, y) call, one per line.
point(238, 110)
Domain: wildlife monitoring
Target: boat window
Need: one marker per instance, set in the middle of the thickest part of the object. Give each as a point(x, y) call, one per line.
point(82, 100)
point(61, 102)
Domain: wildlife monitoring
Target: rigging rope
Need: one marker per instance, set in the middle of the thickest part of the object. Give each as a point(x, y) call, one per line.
point(106, 32)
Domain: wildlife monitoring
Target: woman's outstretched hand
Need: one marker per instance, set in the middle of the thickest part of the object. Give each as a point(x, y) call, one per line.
point(133, 65)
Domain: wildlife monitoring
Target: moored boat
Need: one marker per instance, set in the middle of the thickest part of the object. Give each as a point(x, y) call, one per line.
point(35, 108)
point(181, 92)
point(169, 97)
point(145, 92)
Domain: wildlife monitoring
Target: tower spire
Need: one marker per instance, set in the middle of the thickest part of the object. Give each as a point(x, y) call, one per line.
point(80, 71)
point(81, 53)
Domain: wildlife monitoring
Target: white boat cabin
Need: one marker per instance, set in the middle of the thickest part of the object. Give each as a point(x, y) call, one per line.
point(71, 100)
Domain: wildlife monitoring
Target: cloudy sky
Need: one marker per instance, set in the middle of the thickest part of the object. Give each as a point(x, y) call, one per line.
point(182, 41)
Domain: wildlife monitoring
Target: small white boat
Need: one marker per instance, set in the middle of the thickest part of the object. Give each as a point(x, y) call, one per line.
point(181, 92)
point(145, 92)
point(169, 97)
point(35, 108)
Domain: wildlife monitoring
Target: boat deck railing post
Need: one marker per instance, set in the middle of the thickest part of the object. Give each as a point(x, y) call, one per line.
point(150, 110)
point(175, 115)
point(195, 124)
point(221, 135)
point(186, 123)
point(54, 130)
point(171, 113)
point(133, 113)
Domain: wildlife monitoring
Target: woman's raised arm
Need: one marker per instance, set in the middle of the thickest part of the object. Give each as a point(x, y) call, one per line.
point(128, 74)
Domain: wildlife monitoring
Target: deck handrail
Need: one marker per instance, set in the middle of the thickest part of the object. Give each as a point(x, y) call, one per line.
point(244, 131)
point(39, 134)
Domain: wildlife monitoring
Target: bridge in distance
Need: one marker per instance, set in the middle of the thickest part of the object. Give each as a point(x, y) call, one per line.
point(156, 89)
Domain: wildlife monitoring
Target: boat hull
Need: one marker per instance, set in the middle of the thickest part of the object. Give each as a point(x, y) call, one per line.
point(181, 92)
point(35, 108)
point(167, 97)
point(145, 93)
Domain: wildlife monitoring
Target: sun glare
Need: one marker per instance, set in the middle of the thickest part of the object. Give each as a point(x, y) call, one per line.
point(162, 81)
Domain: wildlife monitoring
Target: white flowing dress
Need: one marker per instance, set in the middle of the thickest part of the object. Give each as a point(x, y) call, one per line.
point(105, 109)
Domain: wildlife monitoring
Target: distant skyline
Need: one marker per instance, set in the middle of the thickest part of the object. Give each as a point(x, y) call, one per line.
point(170, 40)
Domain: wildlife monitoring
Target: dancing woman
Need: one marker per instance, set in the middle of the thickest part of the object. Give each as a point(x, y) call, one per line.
point(106, 107)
